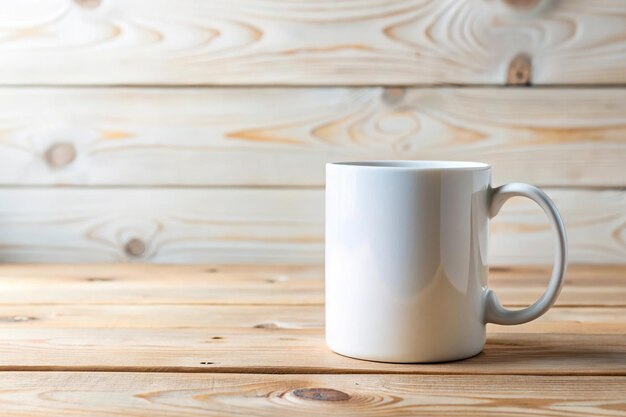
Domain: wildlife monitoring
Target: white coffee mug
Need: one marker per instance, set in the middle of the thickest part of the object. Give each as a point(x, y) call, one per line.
point(406, 259)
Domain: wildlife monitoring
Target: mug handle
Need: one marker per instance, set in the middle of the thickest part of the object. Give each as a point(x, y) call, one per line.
point(494, 312)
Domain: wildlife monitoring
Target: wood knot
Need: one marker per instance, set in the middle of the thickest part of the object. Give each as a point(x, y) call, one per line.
point(321, 394)
point(522, 4)
point(88, 4)
point(135, 247)
point(520, 70)
point(393, 95)
point(60, 154)
point(16, 319)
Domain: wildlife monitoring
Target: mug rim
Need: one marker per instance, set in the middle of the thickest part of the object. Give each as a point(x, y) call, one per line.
point(414, 165)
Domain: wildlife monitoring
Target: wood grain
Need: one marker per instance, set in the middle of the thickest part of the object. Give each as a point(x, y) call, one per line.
point(144, 284)
point(267, 42)
point(261, 225)
point(261, 137)
point(36, 394)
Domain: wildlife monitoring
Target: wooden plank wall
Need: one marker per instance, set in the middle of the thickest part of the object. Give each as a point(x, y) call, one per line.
point(197, 130)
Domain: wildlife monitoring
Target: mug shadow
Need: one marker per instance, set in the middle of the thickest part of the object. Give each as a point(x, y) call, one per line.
point(538, 353)
point(532, 352)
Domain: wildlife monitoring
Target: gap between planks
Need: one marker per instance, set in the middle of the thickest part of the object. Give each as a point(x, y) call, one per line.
point(286, 305)
point(269, 370)
point(258, 187)
point(208, 86)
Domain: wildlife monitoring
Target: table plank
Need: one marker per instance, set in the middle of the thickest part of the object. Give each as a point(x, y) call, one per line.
point(212, 318)
point(69, 394)
point(290, 351)
point(144, 284)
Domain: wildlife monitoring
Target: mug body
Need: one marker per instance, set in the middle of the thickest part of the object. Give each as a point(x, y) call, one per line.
point(406, 259)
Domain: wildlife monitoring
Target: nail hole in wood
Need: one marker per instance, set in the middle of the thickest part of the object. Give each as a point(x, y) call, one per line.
point(266, 326)
point(321, 394)
point(520, 70)
point(60, 154)
point(98, 279)
point(88, 4)
point(16, 319)
point(135, 247)
point(206, 363)
point(278, 278)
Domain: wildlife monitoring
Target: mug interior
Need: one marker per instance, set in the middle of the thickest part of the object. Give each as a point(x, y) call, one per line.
point(417, 165)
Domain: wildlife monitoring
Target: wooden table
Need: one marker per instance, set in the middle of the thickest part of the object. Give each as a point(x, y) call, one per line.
point(248, 340)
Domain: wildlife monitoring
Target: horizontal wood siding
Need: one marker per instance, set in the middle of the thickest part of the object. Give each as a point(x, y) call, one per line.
point(358, 42)
point(261, 225)
point(198, 130)
point(242, 136)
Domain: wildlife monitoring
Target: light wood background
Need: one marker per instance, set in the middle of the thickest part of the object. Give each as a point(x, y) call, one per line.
point(197, 130)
